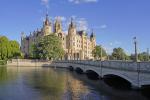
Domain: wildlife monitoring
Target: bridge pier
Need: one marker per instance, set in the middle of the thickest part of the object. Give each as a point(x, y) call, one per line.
point(135, 87)
point(70, 68)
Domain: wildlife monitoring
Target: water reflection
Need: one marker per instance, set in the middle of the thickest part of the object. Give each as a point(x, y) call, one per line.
point(3, 74)
point(24, 83)
point(48, 82)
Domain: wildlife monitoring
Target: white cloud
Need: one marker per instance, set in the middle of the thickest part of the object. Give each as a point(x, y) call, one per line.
point(115, 43)
point(83, 1)
point(62, 18)
point(82, 24)
point(103, 26)
point(46, 3)
point(111, 44)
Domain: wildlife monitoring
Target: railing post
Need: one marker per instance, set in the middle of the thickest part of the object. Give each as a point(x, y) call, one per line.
point(101, 64)
point(138, 70)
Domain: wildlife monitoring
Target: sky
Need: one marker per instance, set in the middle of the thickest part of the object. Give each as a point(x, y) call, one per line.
point(115, 22)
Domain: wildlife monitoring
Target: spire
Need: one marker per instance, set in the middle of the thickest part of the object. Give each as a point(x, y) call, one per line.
point(92, 34)
point(22, 35)
point(58, 20)
point(58, 27)
point(47, 20)
point(72, 23)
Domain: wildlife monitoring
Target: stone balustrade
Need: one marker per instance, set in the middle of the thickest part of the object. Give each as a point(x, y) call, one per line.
point(124, 65)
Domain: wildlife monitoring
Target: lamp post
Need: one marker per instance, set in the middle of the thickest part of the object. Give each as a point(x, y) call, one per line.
point(147, 54)
point(101, 52)
point(135, 47)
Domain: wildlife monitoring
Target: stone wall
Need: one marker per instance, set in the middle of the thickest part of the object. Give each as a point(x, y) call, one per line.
point(28, 63)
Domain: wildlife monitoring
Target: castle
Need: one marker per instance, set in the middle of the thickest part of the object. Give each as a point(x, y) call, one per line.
point(76, 44)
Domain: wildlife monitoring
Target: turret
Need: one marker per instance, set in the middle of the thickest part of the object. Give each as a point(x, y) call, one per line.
point(58, 26)
point(93, 39)
point(72, 28)
point(92, 36)
point(47, 23)
point(47, 26)
point(22, 35)
point(22, 41)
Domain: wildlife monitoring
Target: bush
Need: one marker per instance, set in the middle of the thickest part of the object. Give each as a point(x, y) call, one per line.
point(3, 62)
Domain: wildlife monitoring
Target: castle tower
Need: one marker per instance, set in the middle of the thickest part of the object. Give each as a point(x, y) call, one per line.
point(93, 39)
point(22, 36)
point(71, 39)
point(22, 41)
point(47, 26)
point(72, 28)
point(58, 26)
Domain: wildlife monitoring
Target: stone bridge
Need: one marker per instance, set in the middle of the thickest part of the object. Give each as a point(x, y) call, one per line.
point(136, 73)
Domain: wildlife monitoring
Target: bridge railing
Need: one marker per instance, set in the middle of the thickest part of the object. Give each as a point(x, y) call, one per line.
point(144, 66)
point(122, 65)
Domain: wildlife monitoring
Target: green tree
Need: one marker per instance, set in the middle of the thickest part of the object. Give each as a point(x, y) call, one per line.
point(8, 49)
point(32, 51)
point(119, 54)
point(97, 52)
point(143, 56)
point(15, 49)
point(4, 48)
point(48, 47)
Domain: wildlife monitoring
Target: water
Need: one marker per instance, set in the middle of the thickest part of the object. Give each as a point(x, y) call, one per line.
point(35, 83)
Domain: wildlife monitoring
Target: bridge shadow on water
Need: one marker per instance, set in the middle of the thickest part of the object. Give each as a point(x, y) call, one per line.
point(92, 75)
point(145, 90)
point(79, 70)
point(117, 82)
point(71, 68)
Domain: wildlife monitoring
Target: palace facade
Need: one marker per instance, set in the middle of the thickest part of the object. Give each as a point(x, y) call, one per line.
point(76, 44)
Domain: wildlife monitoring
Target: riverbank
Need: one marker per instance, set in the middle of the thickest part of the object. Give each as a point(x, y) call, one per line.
point(3, 62)
point(33, 63)
point(28, 63)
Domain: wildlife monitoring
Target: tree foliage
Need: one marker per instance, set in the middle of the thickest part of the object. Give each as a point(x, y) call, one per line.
point(8, 49)
point(119, 54)
point(48, 47)
point(143, 56)
point(97, 52)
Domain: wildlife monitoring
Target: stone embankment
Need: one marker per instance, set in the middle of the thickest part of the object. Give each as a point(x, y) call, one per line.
point(29, 63)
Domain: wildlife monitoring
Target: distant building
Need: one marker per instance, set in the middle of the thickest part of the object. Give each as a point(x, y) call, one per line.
point(77, 44)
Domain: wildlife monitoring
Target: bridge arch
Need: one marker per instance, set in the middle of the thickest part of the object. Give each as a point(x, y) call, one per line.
point(79, 70)
point(91, 74)
point(71, 68)
point(117, 81)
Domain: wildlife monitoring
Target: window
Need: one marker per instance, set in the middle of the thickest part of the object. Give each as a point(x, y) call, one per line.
point(73, 44)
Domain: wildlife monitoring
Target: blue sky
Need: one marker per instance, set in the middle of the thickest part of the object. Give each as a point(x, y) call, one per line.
point(115, 22)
